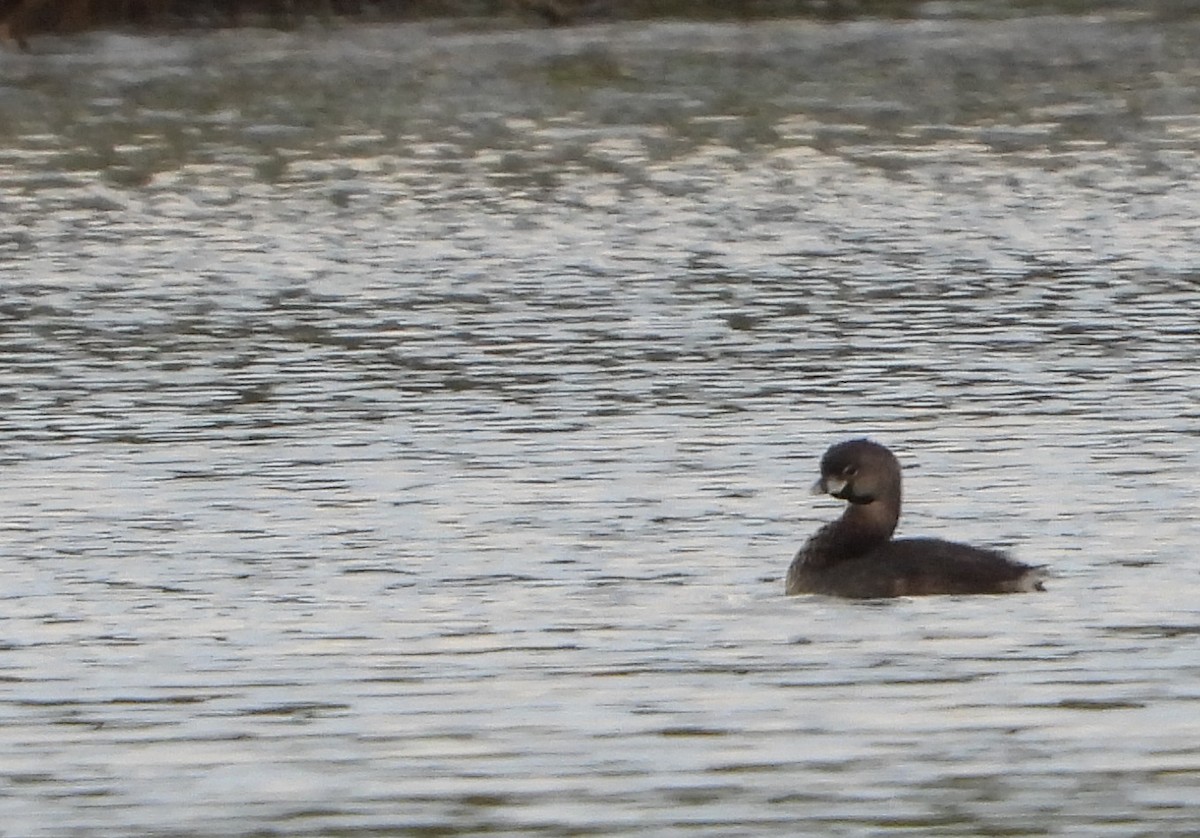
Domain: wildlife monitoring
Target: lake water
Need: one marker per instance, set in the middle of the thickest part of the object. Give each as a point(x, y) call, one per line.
point(405, 429)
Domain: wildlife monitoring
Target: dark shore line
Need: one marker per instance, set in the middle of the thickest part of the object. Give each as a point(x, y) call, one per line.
point(21, 20)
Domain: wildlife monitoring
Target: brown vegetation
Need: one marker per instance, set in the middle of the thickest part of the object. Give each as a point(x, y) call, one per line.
point(19, 19)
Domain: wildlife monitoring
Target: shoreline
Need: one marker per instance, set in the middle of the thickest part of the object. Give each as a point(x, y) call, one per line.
point(22, 20)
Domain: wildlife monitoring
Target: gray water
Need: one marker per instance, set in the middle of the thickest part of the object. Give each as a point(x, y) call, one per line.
point(405, 429)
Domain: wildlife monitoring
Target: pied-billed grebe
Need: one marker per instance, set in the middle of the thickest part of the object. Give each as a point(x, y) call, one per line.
point(856, 556)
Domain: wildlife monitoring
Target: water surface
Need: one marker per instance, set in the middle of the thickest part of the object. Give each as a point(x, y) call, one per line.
point(405, 429)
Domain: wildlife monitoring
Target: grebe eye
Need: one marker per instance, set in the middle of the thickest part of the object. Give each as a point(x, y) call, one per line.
point(849, 471)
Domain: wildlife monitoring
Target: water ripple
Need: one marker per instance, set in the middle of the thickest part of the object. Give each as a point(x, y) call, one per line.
point(405, 428)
